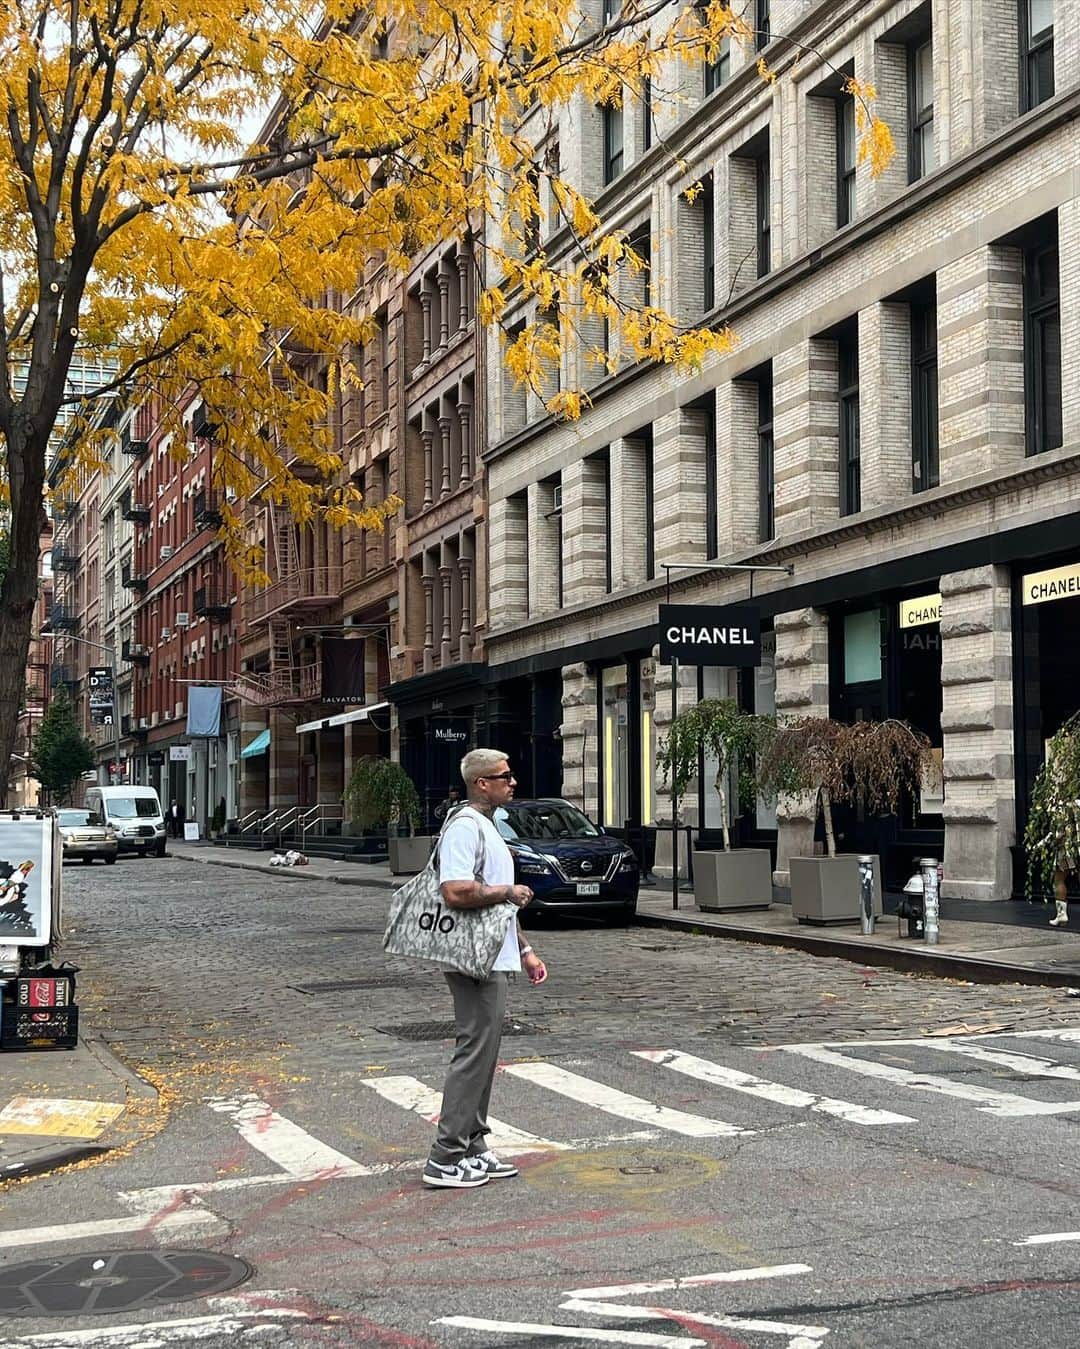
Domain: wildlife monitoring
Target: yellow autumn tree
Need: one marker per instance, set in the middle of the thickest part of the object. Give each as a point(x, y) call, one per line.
point(142, 222)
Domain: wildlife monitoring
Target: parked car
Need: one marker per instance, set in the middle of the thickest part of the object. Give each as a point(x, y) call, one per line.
point(134, 815)
point(568, 862)
point(84, 837)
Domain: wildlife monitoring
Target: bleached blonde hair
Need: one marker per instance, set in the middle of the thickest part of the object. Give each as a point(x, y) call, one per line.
point(478, 763)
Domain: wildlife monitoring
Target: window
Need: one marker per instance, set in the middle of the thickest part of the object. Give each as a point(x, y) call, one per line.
point(530, 225)
point(762, 31)
point(764, 211)
point(1036, 52)
point(920, 109)
point(613, 141)
point(766, 465)
point(385, 360)
point(612, 9)
point(846, 153)
point(719, 71)
point(650, 506)
point(924, 393)
point(712, 525)
point(641, 243)
point(605, 469)
point(1042, 346)
point(850, 487)
point(708, 240)
point(646, 114)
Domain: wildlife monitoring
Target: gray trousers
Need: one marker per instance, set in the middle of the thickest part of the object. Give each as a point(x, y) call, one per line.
point(478, 1015)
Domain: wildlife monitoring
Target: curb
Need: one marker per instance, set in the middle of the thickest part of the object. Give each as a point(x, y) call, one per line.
point(292, 873)
point(912, 960)
point(50, 1161)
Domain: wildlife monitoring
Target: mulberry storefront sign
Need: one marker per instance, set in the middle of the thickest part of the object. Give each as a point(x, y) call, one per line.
point(451, 733)
point(1058, 583)
point(922, 609)
point(710, 634)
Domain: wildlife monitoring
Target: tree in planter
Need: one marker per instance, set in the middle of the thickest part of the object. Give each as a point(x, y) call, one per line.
point(718, 728)
point(60, 753)
point(380, 794)
point(870, 762)
point(1052, 835)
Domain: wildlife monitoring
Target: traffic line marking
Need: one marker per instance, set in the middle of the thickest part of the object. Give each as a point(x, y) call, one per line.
point(717, 1075)
point(1048, 1238)
point(53, 1117)
point(1003, 1104)
point(183, 1220)
point(799, 1336)
point(621, 1103)
point(259, 1324)
point(288, 1146)
point(536, 1329)
point(1028, 1064)
point(419, 1098)
point(690, 1281)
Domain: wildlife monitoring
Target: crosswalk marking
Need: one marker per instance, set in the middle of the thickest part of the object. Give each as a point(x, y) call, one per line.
point(714, 1073)
point(641, 1338)
point(416, 1096)
point(621, 1103)
point(804, 1336)
point(1019, 1063)
point(690, 1281)
point(1004, 1104)
point(288, 1146)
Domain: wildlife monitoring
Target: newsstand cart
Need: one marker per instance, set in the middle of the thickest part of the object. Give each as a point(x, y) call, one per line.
point(37, 997)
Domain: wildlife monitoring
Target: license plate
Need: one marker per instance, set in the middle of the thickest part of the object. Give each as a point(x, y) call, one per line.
point(588, 887)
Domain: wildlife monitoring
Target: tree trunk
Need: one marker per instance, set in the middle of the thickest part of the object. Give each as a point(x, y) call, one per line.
point(721, 792)
point(826, 811)
point(18, 592)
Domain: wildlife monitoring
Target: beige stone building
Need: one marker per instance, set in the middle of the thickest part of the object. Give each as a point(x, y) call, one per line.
point(898, 423)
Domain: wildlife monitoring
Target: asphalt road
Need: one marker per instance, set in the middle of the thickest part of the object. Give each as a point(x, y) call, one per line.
point(719, 1144)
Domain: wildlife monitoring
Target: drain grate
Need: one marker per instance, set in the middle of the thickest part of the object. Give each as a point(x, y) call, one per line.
point(115, 1281)
point(445, 1030)
point(344, 985)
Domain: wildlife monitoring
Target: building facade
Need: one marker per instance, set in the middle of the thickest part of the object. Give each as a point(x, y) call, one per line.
point(893, 439)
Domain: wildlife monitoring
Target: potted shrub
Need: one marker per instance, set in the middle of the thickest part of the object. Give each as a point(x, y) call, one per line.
point(739, 878)
point(1052, 834)
point(871, 763)
point(381, 794)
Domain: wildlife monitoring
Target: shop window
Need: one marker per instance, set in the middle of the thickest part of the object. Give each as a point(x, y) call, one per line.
point(766, 459)
point(612, 115)
point(862, 647)
point(1042, 344)
point(846, 158)
point(924, 393)
point(615, 744)
point(920, 62)
point(850, 471)
point(1036, 52)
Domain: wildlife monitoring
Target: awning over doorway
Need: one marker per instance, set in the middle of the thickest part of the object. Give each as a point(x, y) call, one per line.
point(340, 719)
point(259, 745)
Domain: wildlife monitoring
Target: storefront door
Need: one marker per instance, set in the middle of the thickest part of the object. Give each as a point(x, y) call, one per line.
point(627, 738)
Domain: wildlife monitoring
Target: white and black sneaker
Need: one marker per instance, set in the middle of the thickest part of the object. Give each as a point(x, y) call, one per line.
point(463, 1175)
point(493, 1166)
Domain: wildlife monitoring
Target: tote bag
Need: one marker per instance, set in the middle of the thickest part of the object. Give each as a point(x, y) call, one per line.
point(423, 926)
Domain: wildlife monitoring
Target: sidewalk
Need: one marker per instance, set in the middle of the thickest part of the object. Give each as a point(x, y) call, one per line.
point(59, 1106)
point(1003, 942)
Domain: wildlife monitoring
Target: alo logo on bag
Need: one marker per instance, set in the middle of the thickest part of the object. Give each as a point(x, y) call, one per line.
point(429, 921)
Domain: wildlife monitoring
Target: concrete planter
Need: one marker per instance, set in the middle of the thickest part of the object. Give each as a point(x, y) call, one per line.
point(825, 890)
point(741, 879)
point(409, 855)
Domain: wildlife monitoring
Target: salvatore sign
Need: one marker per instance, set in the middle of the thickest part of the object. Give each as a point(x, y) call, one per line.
point(710, 634)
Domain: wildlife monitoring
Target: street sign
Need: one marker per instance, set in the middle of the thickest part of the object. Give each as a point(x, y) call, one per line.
point(710, 634)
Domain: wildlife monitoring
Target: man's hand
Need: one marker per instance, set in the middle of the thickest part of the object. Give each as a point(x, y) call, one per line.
point(520, 895)
point(534, 967)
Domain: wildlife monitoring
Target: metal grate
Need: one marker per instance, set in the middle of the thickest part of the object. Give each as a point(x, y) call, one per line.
point(345, 985)
point(115, 1281)
point(446, 1030)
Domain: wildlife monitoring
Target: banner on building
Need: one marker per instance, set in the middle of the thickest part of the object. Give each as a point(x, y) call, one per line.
point(179, 753)
point(100, 684)
point(343, 669)
point(204, 712)
point(710, 634)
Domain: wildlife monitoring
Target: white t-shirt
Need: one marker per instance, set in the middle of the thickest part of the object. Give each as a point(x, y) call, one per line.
point(458, 854)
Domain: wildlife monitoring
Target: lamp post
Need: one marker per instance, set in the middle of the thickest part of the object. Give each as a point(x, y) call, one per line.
point(110, 651)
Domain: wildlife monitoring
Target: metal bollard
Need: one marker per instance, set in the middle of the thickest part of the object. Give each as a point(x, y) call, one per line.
point(929, 868)
point(866, 894)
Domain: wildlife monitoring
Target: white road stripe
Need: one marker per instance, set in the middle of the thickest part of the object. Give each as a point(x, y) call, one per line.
point(690, 1281)
point(183, 1220)
point(1067, 1035)
point(1001, 1103)
point(416, 1096)
point(1048, 1238)
point(731, 1078)
point(631, 1312)
point(621, 1103)
point(1002, 1058)
point(151, 1334)
point(632, 1337)
point(286, 1144)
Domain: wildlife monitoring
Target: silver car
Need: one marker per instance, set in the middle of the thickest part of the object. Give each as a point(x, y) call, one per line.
point(84, 837)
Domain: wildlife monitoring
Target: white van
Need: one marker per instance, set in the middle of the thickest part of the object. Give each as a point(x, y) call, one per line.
point(134, 813)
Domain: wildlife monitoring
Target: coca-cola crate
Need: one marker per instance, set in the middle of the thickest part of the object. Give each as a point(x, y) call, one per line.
point(38, 1027)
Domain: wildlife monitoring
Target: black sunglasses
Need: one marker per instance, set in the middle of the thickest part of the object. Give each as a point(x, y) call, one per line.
point(495, 777)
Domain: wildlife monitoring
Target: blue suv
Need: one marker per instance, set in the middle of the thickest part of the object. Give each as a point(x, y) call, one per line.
point(569, 863)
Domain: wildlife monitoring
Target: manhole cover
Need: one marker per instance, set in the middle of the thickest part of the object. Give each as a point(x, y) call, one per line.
point(446, 1030)
point(115, 1281)
point(344, 985)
